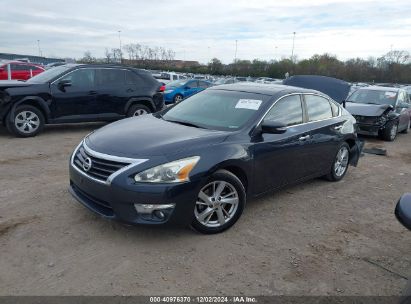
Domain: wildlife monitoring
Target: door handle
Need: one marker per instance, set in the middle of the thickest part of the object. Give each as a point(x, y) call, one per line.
point(304, 138)
point(338, 128)
point(130, 91)
point(92, 93)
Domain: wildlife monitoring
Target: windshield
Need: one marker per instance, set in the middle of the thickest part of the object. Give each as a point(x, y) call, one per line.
point(217, 110)
point(378, 97)
point(50, 74)
point(175, 84)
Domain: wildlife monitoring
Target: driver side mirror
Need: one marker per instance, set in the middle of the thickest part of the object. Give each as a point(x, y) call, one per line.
point(186, 88)
point(273, 127)
point(403, 210)
point(64, 83)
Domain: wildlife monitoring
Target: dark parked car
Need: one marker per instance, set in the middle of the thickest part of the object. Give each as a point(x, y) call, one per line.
point(77, 93)
point(198, 161)
point(380, 111)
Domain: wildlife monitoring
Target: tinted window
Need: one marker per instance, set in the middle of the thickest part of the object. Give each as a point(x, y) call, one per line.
point(131, 78)
point(318, 108)
point(287, 110)
point(192, 84)
point(81, 80)
point(110, 77)
point(203, 84)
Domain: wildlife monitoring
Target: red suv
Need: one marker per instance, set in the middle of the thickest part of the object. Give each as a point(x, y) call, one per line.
point(19, 70)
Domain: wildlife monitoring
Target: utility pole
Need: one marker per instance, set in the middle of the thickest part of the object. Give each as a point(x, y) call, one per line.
point(121, 53)
point(236, 48)
point(38, 45)
point(292, 52)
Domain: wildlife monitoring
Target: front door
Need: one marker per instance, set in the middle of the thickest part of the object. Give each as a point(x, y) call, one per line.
point(78, 99)
point(280, 159)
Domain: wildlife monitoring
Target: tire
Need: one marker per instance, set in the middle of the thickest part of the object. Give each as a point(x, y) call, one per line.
point(178, 98)
point(390, 131)
point(407, 130)
point(138, 110)
point(27, 121)
point(341, 163)
point(211, 215)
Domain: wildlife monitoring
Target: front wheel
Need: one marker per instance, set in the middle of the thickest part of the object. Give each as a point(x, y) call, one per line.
point(178, 98)
point(27, 121)
point(341, 163)
point(390, 131)
point(219, 204)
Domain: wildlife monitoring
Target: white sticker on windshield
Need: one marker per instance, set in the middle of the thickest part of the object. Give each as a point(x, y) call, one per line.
point(390, 94)
point(250, 104)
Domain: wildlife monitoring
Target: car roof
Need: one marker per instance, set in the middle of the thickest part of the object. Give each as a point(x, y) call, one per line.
point(265, 89)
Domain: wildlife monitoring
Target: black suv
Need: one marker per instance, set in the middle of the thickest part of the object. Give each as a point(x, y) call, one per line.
point(77, 93)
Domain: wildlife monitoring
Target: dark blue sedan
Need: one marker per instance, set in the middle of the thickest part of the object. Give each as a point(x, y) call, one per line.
point(197, 163)
point(179, 90)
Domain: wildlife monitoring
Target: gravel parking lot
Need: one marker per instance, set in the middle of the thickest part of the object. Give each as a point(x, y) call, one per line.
point(318, 238)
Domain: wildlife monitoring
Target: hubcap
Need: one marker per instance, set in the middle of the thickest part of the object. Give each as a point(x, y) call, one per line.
point(27, 122)
point(217, 203)
point(140, 112)
point(179, 98)
point(341, 161)
point(394, 130)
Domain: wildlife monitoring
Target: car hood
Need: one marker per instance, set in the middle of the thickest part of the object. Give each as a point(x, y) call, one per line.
point(363, 109)
point(5, 84)
point(150, 136)
point(335, 88)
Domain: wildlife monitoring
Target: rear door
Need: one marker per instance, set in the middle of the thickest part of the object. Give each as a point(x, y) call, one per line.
point(403, 112)
point(112, 91)
point(324, 125)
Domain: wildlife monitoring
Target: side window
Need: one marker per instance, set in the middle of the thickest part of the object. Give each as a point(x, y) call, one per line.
point(203, 85)
point(175, 77)
point(81, 80)
point(287, 110)
point(15, 67)
point(335, 108)
point(318, 108)
point(131, 78)
point(110, 77)
point(192, 84)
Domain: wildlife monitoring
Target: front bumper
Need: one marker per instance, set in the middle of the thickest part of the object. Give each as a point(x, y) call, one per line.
point(369, 129)
point(116, 201)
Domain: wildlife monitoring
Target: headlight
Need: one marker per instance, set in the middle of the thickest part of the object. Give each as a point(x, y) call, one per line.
point(382, 120)
point(175, 172)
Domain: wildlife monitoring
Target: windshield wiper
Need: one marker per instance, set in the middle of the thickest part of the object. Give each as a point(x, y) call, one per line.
point(185, 123)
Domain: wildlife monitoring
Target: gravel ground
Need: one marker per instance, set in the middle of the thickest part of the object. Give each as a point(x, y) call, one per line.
point(317, 238)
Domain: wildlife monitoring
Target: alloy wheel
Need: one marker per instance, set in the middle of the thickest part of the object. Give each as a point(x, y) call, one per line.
point(341, 161)
point(217, 204)
point(140, 112)
point(27, 122)
point(178, 98)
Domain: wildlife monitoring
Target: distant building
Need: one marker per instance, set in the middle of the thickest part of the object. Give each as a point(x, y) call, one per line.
point(30, 58)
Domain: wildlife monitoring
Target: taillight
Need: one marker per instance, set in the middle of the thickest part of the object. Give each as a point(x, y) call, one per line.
point(162, 88)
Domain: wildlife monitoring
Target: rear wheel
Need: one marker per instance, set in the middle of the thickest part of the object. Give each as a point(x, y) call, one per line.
point(340, 165)
point(138, 110)
point(27, 121)
point(390, 131)
point(220, 203)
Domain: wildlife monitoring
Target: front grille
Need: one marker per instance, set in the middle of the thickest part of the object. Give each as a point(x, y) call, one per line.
point(366, 119)
point(95, 167)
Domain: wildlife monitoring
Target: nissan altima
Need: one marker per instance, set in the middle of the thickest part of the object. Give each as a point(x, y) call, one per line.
point(198, 162)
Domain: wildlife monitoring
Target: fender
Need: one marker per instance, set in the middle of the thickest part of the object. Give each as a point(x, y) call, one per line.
point(38, 100)
point(137, 99)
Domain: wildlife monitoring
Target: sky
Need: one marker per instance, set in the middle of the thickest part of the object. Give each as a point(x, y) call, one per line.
point(201, 30)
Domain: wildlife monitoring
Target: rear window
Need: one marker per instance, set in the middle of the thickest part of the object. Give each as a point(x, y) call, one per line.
point(318, 108)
